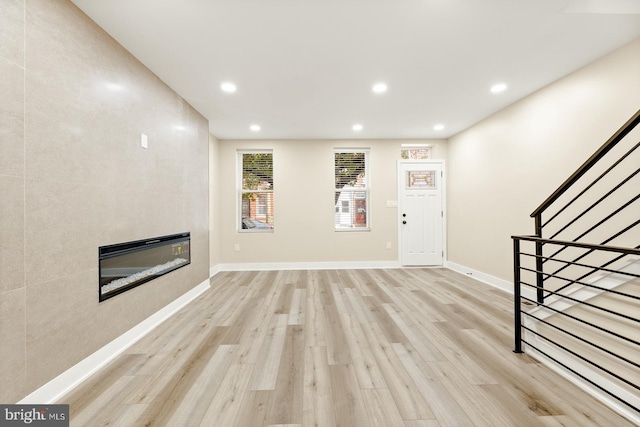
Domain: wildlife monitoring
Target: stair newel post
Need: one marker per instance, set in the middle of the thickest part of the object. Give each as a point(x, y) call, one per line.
point(539, 263)
point(517, 315)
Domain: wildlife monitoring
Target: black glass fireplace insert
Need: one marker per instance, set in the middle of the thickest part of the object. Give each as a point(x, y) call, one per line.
point(124, 266)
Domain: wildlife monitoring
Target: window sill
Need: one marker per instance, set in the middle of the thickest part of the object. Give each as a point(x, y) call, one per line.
point(351, 229)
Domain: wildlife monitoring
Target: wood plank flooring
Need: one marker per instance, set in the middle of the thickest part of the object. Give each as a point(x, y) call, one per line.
point(405, 347)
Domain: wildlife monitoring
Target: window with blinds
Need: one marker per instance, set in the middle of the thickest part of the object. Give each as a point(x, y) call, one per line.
point(351, 199)
point(255, 191)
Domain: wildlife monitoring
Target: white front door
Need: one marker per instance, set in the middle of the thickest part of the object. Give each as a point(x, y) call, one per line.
point(421, 215)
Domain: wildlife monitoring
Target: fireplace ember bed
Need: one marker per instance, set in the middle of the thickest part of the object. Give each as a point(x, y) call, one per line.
point(124, 266)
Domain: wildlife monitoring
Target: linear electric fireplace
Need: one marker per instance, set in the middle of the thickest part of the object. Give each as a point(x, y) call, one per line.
point(124, 266)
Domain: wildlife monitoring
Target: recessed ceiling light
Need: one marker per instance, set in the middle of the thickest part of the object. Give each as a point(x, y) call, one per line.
point(179, 127)
point(228, 87)
point(357, 127)
point(439, 126)
point(379, 87)
point(255, 128)
point(498, 87)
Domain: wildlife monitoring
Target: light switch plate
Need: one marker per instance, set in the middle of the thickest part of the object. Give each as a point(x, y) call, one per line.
point(143, 141)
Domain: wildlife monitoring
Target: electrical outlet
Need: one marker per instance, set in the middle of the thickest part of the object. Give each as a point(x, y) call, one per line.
point(388, 245)
point(237, 247)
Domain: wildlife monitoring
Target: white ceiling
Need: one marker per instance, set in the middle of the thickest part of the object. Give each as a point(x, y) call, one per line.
point(304, 68)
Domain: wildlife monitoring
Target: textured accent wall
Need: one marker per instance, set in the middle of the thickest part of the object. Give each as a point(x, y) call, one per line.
point(73, 176)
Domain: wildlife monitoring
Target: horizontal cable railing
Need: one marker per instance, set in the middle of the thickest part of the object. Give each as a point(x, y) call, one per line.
point(563, 332)
point(593, 270)
point(588, 187)
point(596, 203)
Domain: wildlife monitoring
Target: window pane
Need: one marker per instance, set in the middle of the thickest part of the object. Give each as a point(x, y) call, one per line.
point(257, 171)
point(351, 210)
point(257, 211)
point(421, 179)
point(350, 170)
point(352, 190)
point(255, 191)
point(416, 153)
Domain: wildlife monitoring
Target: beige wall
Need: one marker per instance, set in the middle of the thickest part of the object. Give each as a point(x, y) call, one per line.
point(304, 194)
point(502, 168)
point(73, 177)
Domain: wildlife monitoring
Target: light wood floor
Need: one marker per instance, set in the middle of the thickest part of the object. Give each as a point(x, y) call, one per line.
point(411, 347)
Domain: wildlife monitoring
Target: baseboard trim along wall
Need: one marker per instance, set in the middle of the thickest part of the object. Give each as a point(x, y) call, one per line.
point(347, 265)
point(214, 270)
point(72, 377)
point(488, 279)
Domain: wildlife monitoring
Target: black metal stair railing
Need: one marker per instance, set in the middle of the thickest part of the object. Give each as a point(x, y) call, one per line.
point(577, 279)
point(588, 346)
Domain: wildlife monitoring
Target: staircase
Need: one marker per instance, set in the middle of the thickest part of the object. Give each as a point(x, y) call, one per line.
point(577, 279)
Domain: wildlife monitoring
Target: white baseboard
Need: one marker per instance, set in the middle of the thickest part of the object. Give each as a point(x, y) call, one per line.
point(214, 270)
point(306, 266)
point(72, 377)
point(490, 280)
